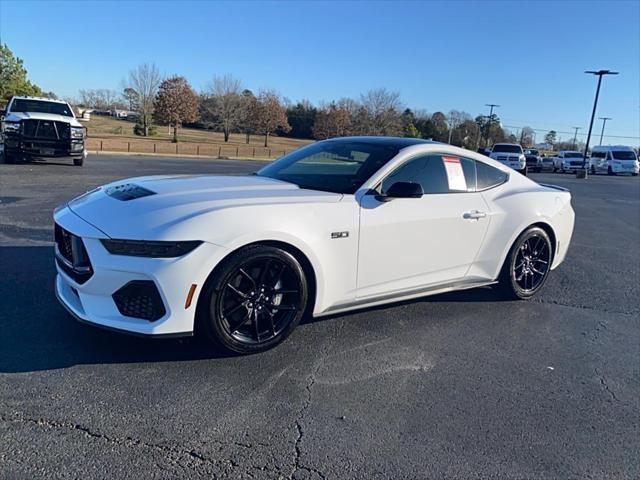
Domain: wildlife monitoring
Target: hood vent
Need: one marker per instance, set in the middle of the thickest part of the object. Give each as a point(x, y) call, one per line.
point(128, 191)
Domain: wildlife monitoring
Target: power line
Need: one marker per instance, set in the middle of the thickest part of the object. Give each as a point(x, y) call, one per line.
point(567, 133)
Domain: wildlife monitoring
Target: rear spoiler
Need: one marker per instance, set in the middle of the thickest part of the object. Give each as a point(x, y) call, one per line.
point(555, 187)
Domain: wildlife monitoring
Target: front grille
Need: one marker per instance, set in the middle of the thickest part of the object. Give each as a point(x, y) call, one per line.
point(140, 299)
point(46, 129)
point(72, 256)
point(576, 163)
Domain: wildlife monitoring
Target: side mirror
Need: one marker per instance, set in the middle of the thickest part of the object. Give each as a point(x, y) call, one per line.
point(402, 190)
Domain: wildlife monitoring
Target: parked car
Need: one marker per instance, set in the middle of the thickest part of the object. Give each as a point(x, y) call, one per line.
point(547, 163)
point(568, 161)
point(484, 151)
point(533, 160)
point(511, 155)
point(43, 128)
point(334, 226)
point(613, 159)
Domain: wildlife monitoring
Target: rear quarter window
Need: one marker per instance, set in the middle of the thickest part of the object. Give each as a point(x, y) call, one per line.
point(488, 176)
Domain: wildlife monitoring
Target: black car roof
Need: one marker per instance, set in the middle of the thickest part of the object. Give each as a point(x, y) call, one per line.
point(395, 142)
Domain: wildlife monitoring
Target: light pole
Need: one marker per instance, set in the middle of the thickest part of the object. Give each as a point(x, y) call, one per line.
point(600, 74)
point(575, 137)
point(604, 122)
point(491, 105)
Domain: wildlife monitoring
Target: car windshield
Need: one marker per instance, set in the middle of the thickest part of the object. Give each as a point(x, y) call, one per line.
point(624, 155)
point(507, 148)
point(41, 106)
point(531, 152)
point(572, 155)
point(331, 166)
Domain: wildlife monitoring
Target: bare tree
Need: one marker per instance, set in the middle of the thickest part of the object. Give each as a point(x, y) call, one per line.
point(332, 121)
point(383, 112)
point(227, 103)
point(145, 80)
point(176, 103)
point(269, 115)
point(249, 111)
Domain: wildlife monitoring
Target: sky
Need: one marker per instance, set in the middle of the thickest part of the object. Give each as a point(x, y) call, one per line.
point(528, 57)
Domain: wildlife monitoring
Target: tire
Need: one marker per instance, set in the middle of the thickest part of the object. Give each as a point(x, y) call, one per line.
point(634, 174)
point(239, 309)
point(609, 171)
point(524, 171)
point(78, 162)
point(527, 265)
point(9, 158)
point(593, 170)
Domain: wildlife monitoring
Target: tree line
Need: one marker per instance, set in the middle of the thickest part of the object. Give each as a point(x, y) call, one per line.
point(224, 105)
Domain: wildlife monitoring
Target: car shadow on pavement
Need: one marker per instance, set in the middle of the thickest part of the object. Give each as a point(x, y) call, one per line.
point(37, 333)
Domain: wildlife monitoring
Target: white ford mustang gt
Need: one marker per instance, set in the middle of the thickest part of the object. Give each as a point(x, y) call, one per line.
point(334, 226)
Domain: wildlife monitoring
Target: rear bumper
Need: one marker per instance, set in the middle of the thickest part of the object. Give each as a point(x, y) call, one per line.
point(563, 229)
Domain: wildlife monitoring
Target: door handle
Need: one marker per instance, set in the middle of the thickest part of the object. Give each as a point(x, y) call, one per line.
point(474, 215)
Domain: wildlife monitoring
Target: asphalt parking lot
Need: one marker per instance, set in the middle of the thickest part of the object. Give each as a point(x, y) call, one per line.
point(461, 385)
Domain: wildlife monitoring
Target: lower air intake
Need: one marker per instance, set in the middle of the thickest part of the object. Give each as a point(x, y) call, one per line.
point(140, 299)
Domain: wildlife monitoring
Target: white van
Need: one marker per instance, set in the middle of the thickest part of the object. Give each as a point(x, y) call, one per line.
point(613, 159)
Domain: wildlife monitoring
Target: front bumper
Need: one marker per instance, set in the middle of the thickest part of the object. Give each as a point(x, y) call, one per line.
point(44, 148)
point(93, 300)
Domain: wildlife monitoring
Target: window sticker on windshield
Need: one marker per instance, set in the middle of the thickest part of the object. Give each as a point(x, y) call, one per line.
point(455, 174)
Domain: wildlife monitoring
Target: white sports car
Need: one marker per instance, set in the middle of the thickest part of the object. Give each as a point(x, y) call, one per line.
point(335, 226)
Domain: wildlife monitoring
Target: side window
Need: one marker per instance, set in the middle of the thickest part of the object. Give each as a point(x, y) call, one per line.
point(489, 177)
point(436, 174)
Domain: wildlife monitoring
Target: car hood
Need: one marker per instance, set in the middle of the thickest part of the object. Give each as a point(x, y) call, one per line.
point(146, 208)
point(17, 116)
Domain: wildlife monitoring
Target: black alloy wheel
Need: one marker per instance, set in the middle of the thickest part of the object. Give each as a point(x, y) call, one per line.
point(528, 264)
point(256, 300)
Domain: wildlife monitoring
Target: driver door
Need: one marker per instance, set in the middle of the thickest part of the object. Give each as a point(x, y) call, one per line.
point(407, 244)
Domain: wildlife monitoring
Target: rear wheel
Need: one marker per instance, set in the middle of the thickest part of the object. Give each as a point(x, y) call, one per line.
point(527, 265)
point(254, 301)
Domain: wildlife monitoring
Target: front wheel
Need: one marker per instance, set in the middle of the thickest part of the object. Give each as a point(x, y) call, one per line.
point(527, 265)
point(610, 171)
point(593, 170)
point(78, 162)
point(254, 301)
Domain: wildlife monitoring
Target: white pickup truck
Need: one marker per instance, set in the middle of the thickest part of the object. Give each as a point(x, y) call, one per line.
point(568, 161)
point(34, 127)
point(511, 155)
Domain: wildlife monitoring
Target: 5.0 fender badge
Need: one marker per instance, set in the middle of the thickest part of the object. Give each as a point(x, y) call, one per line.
point(339, 234)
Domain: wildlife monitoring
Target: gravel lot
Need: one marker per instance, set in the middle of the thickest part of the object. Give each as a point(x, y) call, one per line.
point(460, 385)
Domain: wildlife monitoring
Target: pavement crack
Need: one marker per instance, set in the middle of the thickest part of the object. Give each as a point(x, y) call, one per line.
point(174, 452)
point(604, 384)
point(579, 307)
point(297, 464)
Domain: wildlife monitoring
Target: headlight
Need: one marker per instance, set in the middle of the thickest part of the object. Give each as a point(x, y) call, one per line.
point(77, 132)
point(10, 126)
point(142, 248)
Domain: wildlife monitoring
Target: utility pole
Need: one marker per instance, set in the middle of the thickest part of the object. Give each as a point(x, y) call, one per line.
point(575, 137)
point(491, 105)
point(604, 122)
point(600, 74)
